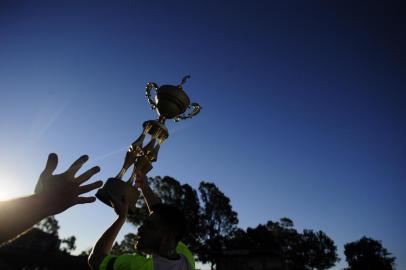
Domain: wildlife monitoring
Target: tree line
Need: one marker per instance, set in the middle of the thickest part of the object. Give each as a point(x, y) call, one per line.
point(212, 228)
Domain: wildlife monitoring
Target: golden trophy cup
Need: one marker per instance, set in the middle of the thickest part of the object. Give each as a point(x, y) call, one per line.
point(170, 102)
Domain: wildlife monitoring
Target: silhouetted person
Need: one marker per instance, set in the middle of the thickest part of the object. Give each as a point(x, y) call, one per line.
point(53, 194)
point(159, 236)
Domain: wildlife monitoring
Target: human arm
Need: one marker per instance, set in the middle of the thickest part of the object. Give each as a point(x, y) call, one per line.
point(103, 246)
point(150, 198)
point(54, 194)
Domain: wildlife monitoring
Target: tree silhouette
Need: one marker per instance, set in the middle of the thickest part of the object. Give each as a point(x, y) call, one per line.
point(284, 239)
point(319, 250)
point(70, 244)
point(218, 221)
point(307, 250)
point(127, 245)
point(368, 253)
point(41, 248)
point(49, 225)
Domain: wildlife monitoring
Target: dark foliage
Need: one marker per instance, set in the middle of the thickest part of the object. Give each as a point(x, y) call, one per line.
point(368, 253)
point(39, 250)
point(307, 250)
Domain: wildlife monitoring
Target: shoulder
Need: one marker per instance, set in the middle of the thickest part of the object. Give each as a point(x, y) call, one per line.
point(182, 249)
point(125, 261)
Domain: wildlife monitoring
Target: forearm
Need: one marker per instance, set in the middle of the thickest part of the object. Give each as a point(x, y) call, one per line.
point(103, 246)
point(19, 215)
point(149, 196)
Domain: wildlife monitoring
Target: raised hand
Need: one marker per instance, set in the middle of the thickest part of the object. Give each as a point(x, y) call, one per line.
point(62, 191)
point(120, 206)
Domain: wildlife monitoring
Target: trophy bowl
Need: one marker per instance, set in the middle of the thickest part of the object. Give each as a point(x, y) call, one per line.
point(171, 101)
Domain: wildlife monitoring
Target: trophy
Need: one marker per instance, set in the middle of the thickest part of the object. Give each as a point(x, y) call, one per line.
point(170, 102)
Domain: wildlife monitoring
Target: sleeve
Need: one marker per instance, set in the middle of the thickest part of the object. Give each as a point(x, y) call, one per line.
point(123, 262)
point(181, 248)
point(107, 262)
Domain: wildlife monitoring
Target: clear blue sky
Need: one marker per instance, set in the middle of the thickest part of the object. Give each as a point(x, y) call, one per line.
point(303, 105)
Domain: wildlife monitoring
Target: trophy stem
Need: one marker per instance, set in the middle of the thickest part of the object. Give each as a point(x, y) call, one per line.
point(147, 128)
point(161, 119)
point(121, 173)
point(132, 177)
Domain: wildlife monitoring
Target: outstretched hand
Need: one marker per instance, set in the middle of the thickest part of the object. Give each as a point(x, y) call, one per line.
point(61, 191)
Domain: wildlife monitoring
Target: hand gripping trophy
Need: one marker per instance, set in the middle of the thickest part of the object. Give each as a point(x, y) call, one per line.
point(170, 102)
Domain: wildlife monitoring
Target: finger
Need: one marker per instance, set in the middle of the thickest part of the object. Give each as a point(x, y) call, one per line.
point(74, 168)
point(50, 167)
point(90, 187)
point(87, 174)
point(82, 200)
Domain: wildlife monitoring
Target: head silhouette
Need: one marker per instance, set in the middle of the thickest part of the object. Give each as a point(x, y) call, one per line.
point(161, 230)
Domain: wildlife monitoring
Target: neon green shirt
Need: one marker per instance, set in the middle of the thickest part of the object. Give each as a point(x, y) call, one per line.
point(139, 262)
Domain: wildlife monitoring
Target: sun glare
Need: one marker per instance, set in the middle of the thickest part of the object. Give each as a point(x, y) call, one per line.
point(9, 189)
point(3, 195)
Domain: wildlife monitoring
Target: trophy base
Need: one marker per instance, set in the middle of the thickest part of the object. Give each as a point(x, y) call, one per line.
point(117, 190)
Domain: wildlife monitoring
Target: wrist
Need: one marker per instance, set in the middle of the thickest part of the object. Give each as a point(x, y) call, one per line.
point(122, 218)
point(44, 205)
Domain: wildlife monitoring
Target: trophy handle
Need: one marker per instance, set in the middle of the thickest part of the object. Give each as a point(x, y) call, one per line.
point(196, 109)
point(149, 87)
point(184, 79)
